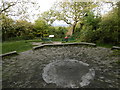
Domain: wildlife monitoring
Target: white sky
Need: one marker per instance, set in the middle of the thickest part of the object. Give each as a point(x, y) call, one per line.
point(46, 5)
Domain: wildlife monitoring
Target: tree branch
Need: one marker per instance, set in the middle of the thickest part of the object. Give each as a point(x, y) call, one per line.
point(4, 9)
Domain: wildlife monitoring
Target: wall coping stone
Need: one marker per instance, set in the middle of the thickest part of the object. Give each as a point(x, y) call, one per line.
point(63, 44)
point(9, 53)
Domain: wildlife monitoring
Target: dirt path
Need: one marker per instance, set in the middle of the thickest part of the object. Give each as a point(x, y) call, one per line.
point(40, 43)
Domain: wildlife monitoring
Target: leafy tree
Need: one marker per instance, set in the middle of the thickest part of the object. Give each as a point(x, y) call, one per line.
point(85, 29)
point(5, 6)
point(51, 30)
point(20, 8)
point(104, 30)
point(12, 29)
point(71, 11)
point(60, 32)
point(48, 16)
point(41, 28)
point(109, 28)
point(7, 27)
point(24, 29)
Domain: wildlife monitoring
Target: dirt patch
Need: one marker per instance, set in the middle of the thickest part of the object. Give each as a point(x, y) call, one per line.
point(25, 70)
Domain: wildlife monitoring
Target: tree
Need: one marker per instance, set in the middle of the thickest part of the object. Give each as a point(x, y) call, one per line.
point(41, 28)
point(13, 29)
point(60, 32)
point(48, 16)
point(109, 28)
point(104, 30)
point(7, 27)
point(72, 11)
point(5, 6)
point(20, 8)
point(24, 29)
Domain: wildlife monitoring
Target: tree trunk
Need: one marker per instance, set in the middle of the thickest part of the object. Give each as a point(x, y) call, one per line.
point(73, 27)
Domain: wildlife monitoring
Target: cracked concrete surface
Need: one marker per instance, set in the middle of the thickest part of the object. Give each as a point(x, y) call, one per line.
point(68, 73)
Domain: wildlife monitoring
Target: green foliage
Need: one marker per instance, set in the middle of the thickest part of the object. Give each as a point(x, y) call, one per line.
point(35, 40)
point(108, 32)
point(87, 34)
point(24, 30)
point(51, 30)
point(101, 30)
point(104, 45)
point(91, 19)
point(86, 30)
point(41, 28)
point(8, 29)
point(60, 32)
point(48, 16)
point(0, 48)
point(79, 15)
point(16, 30)
point(71, 11)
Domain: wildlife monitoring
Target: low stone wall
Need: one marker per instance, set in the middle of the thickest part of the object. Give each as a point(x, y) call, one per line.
point(37, 47)
point(115, 47)
point(10, 53)
point(64, 44)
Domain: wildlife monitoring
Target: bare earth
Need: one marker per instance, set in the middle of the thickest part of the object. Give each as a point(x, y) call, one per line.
point(25, 70)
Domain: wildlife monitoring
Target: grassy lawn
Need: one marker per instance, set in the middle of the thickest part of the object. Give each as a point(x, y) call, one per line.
point(34, 40)
point(0, 47)
point(104, 45)
point(24, 45)
point(18, 46)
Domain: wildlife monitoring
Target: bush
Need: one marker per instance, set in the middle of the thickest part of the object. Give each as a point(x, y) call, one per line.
point(87, 34)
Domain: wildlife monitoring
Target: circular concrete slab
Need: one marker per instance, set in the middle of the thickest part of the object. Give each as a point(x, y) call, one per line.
point(68, 73)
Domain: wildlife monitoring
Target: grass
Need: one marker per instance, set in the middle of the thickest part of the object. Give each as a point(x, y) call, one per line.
point(18, 46)
point(34, 40)
point(104, 45)
point(24, 45)
point(0, 47)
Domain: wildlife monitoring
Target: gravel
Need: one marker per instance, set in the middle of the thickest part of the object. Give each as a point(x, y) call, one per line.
point(25, 70)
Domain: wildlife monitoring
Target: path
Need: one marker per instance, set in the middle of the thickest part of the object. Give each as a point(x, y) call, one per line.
point(40, 43)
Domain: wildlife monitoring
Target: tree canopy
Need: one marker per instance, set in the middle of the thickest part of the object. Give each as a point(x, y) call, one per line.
point(81, 17)
point(70, 11)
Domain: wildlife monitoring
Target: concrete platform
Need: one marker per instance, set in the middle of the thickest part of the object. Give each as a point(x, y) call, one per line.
point(68, 73)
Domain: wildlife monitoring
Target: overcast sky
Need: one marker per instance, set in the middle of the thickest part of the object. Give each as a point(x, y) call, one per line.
point(46, 5)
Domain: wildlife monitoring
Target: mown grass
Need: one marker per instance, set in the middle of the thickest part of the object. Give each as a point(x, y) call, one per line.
point(24, 45)
point(34, 40)
point(0, 47)
point(104, 45)
point(18, 46)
